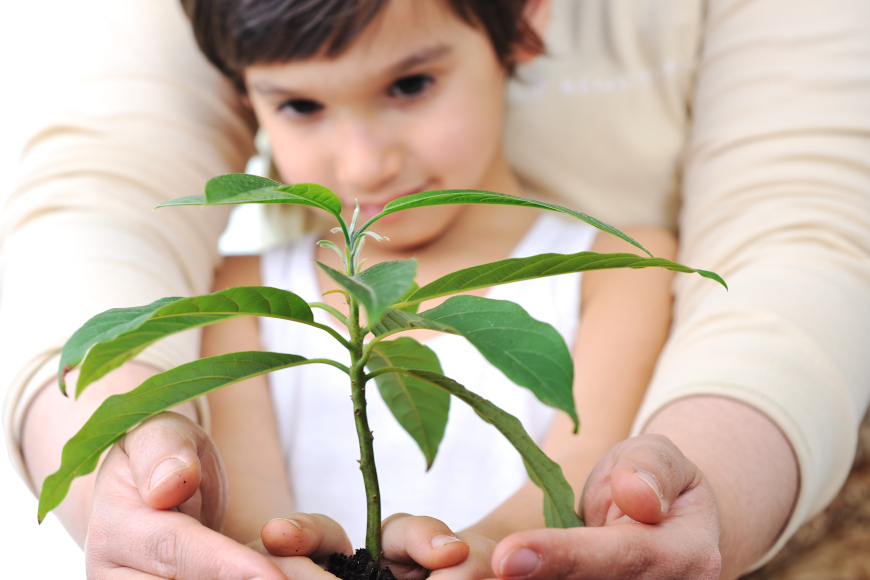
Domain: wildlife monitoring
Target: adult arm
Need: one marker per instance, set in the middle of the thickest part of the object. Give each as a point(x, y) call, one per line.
point(143, 119)
point(776, 200)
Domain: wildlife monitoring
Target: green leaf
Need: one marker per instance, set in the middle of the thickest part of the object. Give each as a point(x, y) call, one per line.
point(186, 200)
point(529, 352)
point(412, 308)
point(378, 287)
point(398, 320)
point(223, 187)
point(238, 188)
point(111, 338)
point(102, 327)
point(540, 266)
point(419, 407)
point(158, 393)
point(543, 471)
point(471, 196)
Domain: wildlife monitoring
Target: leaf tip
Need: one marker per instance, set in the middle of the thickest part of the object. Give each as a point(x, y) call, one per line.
point(713, 276)
point(61, 379)
point(42, 511)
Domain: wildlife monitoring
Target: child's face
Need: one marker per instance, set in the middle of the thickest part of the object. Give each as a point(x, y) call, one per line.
point(414, 104)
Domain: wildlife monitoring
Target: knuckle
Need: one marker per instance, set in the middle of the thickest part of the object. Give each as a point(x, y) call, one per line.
point(637, 560)
point(164, 548)
point(711, 564)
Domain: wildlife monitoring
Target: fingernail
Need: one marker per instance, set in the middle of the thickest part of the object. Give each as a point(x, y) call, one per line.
point(520, 563)
point(294, 522)
point(442, 539)
point(165, 469)
point(650, 480)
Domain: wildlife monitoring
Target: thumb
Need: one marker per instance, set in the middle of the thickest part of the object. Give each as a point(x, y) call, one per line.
point(423, 541)
point(314, 535)
point(175, 464)
point(642, 476)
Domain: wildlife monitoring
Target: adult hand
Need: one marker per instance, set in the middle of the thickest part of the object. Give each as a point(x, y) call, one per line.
point(159, 501)
point(649, 512)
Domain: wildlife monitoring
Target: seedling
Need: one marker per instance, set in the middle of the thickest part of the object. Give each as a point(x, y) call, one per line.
point(530, 353)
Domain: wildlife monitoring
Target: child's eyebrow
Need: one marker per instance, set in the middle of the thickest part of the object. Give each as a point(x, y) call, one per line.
point(423, 56)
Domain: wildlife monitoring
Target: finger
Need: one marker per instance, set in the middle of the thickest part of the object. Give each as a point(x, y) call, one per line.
point(301, 568)
point(314, 535)
point(477, 565)
point(122, 573)
point(640, 478)
point(168, 544)
point(575, 554)
point(173, 461)
point(421, 540)
point(633, 550)
point(649, 476)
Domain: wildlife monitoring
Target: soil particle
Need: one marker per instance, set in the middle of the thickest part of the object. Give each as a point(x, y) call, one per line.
point(357, 567)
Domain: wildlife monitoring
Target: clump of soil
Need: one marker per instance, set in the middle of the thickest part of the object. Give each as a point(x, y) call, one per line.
point(360, 566)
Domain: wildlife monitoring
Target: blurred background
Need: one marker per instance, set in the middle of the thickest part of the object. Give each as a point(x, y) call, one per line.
point(32, 69)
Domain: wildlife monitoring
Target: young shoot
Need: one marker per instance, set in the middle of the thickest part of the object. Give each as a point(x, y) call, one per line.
point(382, 301)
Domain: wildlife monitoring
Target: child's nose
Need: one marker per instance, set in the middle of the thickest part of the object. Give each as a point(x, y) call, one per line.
point(366, 159)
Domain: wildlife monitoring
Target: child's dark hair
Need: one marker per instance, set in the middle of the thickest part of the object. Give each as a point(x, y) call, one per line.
point(235, 34)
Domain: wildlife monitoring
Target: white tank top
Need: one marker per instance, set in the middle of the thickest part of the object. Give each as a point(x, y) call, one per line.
point(475, 469)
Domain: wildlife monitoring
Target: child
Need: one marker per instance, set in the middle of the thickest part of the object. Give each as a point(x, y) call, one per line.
point(381, 99)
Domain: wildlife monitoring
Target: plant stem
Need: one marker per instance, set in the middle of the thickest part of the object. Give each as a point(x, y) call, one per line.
point(367, 456)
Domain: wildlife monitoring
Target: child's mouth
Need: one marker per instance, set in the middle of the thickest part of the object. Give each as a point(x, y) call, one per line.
point(369, 210)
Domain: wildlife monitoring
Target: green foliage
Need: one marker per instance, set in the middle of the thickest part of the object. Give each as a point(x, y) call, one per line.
point(529, 352)
point(470, 196)
point(408, 375)
point(377, 287)
point(546, 473)
point(540, 266)
point(112, 338)
point(419, 407)
point(120, 413)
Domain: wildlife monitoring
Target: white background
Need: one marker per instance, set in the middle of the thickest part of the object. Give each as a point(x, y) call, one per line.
point(26, 50)
point(31, 44)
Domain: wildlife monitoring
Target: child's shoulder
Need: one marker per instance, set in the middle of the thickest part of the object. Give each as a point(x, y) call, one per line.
point(238, 271)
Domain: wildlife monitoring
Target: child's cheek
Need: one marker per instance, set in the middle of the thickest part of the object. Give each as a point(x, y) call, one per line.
point(463, 142)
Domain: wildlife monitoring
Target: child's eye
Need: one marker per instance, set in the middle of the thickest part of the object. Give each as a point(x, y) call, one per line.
point(301, 107)
point(411, 86)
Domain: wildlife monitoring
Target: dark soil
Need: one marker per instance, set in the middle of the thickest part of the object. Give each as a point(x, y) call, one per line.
point(357, 567)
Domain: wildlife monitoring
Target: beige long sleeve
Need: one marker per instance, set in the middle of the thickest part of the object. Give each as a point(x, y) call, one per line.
point(145, 119)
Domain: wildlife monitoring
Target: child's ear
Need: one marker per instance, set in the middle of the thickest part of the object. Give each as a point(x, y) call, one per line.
point(537, 15)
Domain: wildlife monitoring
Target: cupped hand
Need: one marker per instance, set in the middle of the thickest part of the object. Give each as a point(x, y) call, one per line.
point(414, 547)
point(417, 547)
point(159, 501)
point(649, 512)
